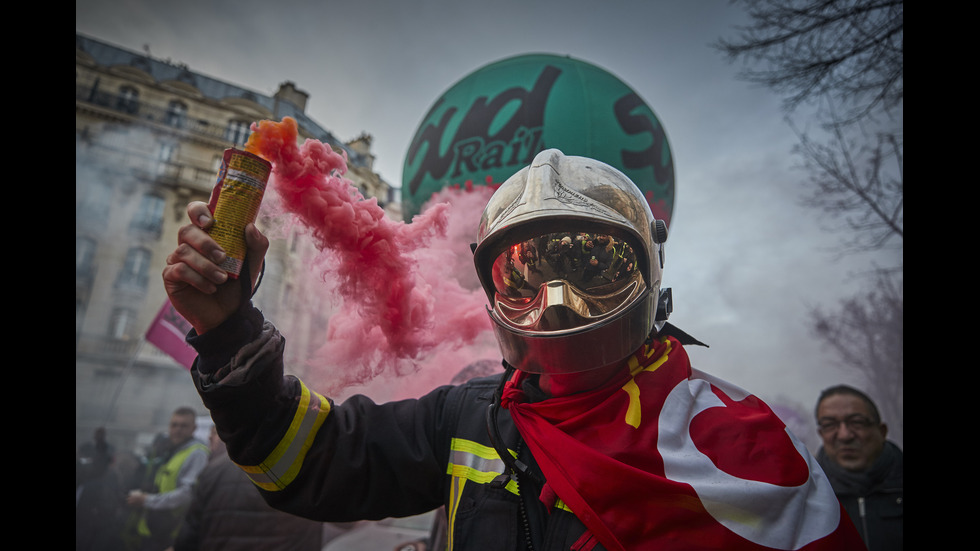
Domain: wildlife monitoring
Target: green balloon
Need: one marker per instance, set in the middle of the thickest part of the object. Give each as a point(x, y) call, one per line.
point(491, 123)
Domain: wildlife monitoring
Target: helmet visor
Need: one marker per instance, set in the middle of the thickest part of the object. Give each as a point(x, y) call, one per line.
point(565, 280)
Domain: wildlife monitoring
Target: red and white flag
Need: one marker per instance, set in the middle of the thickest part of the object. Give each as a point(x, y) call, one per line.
point(167, 333)
point(671, 458)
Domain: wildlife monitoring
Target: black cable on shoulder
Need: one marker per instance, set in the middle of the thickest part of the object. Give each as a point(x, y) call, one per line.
point(513, 463)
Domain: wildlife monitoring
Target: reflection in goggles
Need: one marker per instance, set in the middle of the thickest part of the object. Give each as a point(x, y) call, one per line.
point(596, 264)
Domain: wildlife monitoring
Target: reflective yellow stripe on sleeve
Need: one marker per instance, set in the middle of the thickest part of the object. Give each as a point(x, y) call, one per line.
point(283, 464)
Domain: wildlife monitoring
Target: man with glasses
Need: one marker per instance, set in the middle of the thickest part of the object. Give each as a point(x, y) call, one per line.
point(865, 469)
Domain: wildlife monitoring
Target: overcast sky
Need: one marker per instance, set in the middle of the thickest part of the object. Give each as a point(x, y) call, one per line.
point(744, 260)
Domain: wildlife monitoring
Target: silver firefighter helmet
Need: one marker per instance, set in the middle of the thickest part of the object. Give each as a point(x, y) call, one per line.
point(571, 259)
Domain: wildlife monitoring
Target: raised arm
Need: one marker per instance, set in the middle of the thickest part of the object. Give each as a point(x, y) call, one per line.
point(198, 288)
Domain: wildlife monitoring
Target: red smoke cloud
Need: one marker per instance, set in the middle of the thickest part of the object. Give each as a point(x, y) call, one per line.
point(411, 301)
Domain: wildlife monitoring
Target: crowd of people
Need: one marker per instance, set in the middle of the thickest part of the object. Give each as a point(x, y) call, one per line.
point(130, 501)
point(181, 494)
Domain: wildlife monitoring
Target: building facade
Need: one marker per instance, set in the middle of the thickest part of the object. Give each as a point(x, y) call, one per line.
point(149, 137)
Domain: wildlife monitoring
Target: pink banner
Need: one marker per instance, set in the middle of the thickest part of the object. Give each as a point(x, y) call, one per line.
point(167, 333)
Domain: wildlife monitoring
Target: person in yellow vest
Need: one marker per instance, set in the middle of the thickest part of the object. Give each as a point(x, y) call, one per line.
point(163, 510)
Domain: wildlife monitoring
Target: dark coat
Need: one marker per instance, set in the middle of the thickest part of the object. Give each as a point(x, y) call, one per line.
point(873, 499)
point(227, 513)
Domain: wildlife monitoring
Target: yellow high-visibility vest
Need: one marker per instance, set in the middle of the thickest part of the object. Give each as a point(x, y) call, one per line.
point(166, 480)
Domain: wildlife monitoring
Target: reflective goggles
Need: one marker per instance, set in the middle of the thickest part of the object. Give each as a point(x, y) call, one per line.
point(594, 265)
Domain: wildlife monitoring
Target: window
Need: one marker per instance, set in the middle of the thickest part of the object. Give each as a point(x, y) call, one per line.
point(167, 151)
point(135, 269)
point(166, 154)
point(84, 255)
point(128, 100)
point(149, 215)
point(176, 114)
point(237, 132)
point(120, 322)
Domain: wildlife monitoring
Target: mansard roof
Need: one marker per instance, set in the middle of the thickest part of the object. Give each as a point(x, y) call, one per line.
point(109, 55)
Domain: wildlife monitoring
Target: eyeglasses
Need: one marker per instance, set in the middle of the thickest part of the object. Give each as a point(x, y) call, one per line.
point(854, 423)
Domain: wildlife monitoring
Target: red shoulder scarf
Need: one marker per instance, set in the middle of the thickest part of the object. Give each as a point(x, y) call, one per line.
point(667, 457)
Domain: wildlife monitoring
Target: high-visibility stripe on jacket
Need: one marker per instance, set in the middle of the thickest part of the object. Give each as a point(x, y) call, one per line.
point(283, 464)
point(477, 463)
point(473, 462)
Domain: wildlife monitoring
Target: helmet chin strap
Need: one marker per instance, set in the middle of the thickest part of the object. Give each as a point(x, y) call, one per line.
point(665, 305)
point(245, 277)
point(493, 431)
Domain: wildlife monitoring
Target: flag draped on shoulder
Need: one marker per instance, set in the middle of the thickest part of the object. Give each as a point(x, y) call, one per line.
point(668, 457)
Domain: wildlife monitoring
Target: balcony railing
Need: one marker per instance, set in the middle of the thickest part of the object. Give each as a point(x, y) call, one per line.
point(127, 105)
point(153, 113)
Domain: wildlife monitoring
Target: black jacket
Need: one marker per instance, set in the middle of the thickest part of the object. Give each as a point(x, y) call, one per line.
point(370, 461)
point(228, 514)
point(873, 499)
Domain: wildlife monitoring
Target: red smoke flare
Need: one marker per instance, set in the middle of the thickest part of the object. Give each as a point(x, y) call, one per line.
point(397, 311)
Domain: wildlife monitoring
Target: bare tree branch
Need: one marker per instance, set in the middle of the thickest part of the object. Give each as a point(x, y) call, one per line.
point(850, 49)
point(846, 58)
point(866, 334)
point(860, 180)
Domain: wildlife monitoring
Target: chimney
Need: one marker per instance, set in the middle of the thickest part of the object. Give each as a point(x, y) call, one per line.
point(288, 92)
point(362, 146)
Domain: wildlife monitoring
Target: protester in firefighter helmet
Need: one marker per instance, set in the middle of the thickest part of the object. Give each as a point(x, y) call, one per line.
point(593, 436)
